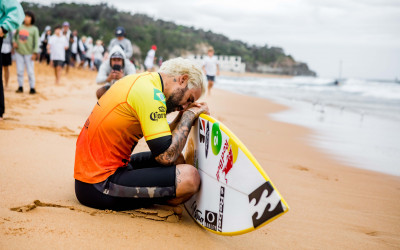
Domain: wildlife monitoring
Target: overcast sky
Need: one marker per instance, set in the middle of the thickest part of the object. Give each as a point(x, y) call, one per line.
point(363, 34)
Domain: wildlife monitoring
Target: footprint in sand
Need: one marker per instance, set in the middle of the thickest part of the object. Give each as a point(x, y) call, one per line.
point(305, 169)
point(301, 168)
point(63, 131)
point(158, 213)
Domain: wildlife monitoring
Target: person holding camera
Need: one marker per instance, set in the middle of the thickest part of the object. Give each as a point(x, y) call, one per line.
point(114, 69)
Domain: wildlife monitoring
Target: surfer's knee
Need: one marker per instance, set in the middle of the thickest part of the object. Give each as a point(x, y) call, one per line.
point(187, 180)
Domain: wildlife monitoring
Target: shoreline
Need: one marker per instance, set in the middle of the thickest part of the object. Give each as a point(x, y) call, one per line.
point(331, 205)
point(339, 131)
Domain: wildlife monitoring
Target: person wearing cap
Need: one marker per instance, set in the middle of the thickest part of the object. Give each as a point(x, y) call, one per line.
point(44, 39)
point(121, 41)
point(150, 58)
point(114, 69)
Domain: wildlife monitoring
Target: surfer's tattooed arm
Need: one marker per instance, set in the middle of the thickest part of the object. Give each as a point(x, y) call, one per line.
point(175, 122)
point(179, 137)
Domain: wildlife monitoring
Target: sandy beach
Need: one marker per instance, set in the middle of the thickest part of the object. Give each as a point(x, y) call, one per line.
point(332, 206)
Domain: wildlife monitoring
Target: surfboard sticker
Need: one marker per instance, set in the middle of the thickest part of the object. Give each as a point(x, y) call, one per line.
point(236, 195)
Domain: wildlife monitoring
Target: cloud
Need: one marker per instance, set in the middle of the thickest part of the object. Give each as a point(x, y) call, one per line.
point(304, 28)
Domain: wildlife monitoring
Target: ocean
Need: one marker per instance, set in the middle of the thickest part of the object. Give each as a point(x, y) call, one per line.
point(357, 122)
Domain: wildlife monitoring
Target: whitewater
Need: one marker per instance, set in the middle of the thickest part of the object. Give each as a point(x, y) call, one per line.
point(357, 121)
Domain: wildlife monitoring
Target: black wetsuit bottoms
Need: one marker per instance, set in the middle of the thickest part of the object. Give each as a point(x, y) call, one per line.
point(142, 183)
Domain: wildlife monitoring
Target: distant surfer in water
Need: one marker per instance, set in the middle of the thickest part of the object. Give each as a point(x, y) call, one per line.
point(210, 68)
point(106, 175)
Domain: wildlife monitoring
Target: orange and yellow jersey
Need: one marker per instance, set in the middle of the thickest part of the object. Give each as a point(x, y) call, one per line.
point(132, 108)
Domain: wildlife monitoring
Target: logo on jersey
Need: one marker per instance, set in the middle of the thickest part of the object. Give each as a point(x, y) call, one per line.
point(161, 109)
point(265, 204)
point(159, 96)
point(160, 114)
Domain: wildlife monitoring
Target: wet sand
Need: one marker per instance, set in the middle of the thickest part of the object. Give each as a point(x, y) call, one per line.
point(332, 205)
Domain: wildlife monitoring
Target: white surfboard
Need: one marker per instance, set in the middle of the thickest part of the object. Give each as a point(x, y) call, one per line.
point(236, 196)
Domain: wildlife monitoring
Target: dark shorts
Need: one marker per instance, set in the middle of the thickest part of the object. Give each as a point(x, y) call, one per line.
point(73, 56)
point(211, 78)
point(67, 57)
point(142, 183)
point(58, 63)
point(6, 59)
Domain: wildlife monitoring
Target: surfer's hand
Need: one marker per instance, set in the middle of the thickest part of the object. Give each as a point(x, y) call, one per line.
point(199, 108)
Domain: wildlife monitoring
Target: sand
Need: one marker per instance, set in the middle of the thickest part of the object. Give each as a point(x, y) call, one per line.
point(332, 206)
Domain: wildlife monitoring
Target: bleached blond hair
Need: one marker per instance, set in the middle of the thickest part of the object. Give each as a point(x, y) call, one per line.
point(179, 66)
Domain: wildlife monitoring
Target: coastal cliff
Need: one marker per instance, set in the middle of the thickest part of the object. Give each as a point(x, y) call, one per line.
point(99, 22)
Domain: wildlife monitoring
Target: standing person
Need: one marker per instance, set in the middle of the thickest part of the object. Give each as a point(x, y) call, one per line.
point(210, 68)
point(44, 39)
point(106, 175)
point(88, 42)
point(67, 33)
point(98, 51)
point(113, 69)
point(57, 47)
point(6, 51)
point(150, 58)
point(26, 44)
point(11, 17)
point(122, 41)
point(77, 48)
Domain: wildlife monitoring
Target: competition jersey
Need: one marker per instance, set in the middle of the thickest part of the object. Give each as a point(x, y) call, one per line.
point(132, 108)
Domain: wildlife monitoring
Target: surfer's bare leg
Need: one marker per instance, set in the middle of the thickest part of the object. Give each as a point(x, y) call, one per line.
point(210, 85)
point(187, 183)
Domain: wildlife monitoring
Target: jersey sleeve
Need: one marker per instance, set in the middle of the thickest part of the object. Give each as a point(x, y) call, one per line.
point(159, 145)
point(150, 108)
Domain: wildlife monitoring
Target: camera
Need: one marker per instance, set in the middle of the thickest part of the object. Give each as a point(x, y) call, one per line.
point(117, 67)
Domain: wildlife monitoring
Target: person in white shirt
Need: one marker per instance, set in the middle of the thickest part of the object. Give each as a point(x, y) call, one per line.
point(88, 42)
point(210, 68)
point(97, 54)
point(77, 49)
point(149, 61)
point(57, 46)
point(67, 33)
point(44, 39)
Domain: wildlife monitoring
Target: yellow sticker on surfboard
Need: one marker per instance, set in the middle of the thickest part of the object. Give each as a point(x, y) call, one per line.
point(236, 196)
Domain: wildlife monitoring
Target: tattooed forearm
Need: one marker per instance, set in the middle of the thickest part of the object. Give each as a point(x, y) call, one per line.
point(179, 137)
point(175, 122)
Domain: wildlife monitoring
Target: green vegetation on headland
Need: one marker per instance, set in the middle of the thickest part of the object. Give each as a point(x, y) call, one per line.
point(99, 21)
